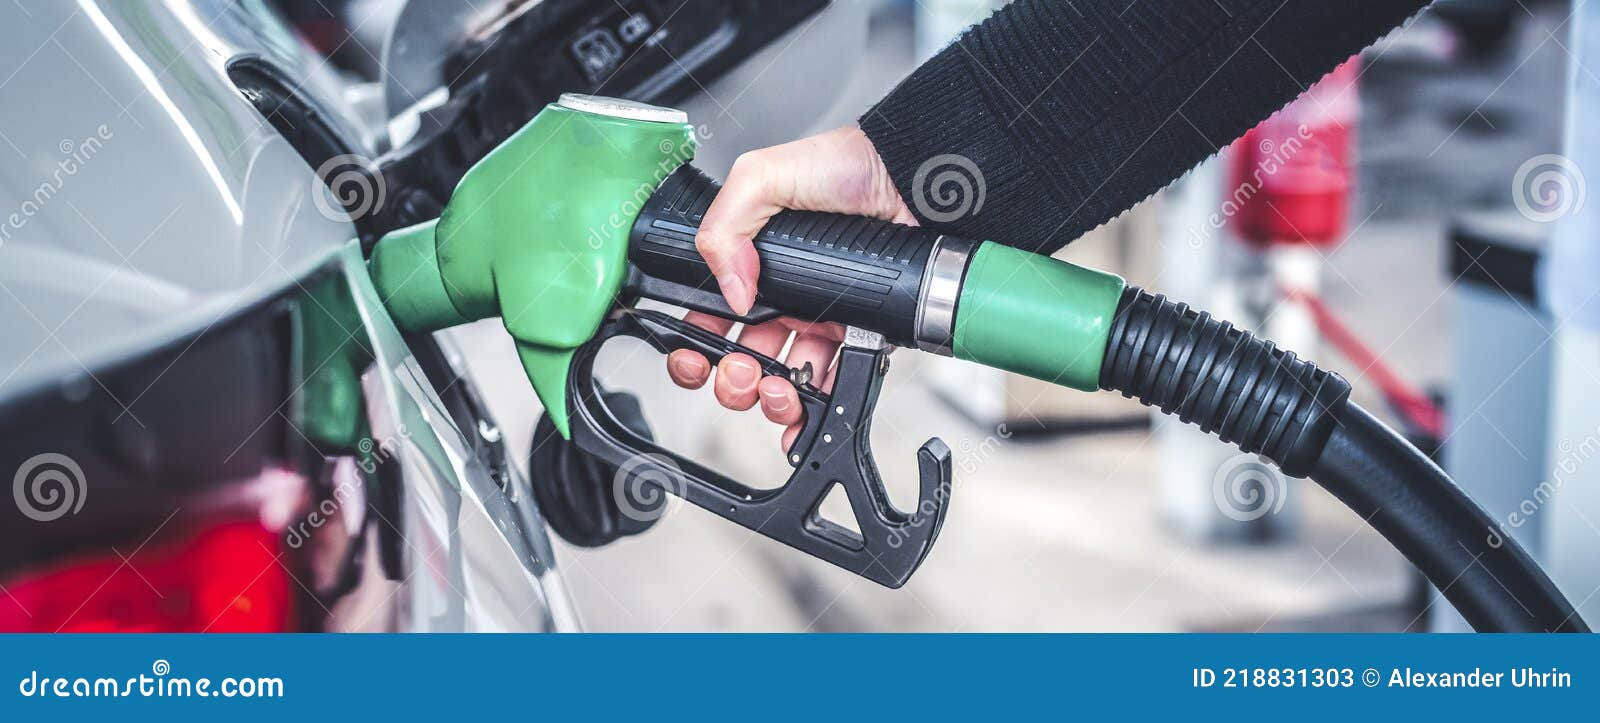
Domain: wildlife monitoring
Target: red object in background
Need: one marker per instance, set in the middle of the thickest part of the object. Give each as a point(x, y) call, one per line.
point(1418, 409)
point(1291, 177)
point(224, 578)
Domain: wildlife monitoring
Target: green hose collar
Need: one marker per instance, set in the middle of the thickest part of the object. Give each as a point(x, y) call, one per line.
point(1036, 316)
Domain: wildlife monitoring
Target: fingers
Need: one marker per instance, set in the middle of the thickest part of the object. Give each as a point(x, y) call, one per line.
point(726, 234)
point(779, 401)
point(766, 339)
point(714, 324)
point(738, 374)
point(817, 347)
point(789, 434)
point(837, 171)
point(689, 369)
point(814, 344)
point(739, 382)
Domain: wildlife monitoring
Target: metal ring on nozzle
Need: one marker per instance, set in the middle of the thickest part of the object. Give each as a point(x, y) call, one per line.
point(941, 290)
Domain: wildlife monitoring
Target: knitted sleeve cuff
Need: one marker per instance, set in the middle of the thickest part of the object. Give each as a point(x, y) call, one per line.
point(949, 153)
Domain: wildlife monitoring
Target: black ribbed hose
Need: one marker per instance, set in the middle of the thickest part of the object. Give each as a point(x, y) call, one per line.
point(1267, 401)
point(1488, 577)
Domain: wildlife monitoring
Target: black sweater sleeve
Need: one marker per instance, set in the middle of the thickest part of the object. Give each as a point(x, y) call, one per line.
point(1073, 111)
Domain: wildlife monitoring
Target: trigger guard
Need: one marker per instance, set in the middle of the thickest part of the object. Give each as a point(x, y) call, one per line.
point(833, 450)
point(667, 334)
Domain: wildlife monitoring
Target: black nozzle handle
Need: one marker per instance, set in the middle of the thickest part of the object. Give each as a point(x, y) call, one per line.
point(853, 270)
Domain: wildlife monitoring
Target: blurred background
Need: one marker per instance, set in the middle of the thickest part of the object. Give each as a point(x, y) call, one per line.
point(1359, 246)
point(1416, 221)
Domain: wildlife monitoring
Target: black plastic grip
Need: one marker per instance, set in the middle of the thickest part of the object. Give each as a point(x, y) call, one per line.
point(1224, 380)
point(822, 266)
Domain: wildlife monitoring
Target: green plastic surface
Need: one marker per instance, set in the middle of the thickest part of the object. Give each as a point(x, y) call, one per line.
point(537, 234)
point(1035, 315)
point(331, 350)
point(405, 266)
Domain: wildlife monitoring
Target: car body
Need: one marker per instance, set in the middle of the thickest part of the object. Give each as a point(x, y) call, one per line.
point(180, 303)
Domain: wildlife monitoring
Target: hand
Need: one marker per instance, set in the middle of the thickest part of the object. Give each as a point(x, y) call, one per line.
point(838, 171)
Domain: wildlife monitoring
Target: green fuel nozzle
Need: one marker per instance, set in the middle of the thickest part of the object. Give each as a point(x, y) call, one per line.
point(536, 233)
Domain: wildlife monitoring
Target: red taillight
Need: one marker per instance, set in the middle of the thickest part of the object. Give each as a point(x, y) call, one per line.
point(224, 578)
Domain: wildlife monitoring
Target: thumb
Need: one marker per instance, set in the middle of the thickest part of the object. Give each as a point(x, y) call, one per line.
point(727, 233)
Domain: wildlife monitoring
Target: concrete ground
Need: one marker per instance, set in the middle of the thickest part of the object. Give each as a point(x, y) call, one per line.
point(1068, 534)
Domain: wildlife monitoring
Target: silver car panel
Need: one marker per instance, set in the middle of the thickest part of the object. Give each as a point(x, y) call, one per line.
point(147, 202)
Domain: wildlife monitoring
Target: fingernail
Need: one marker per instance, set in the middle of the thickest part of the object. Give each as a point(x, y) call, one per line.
point(687, 365)
point(742, 374)
point(737, 293)
point(778, 403)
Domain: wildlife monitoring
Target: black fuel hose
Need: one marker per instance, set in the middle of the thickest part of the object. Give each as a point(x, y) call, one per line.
point(1489, 578)
point(1266, 401)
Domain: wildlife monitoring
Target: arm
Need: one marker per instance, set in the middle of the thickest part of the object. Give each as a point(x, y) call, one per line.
point(1075, 111)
